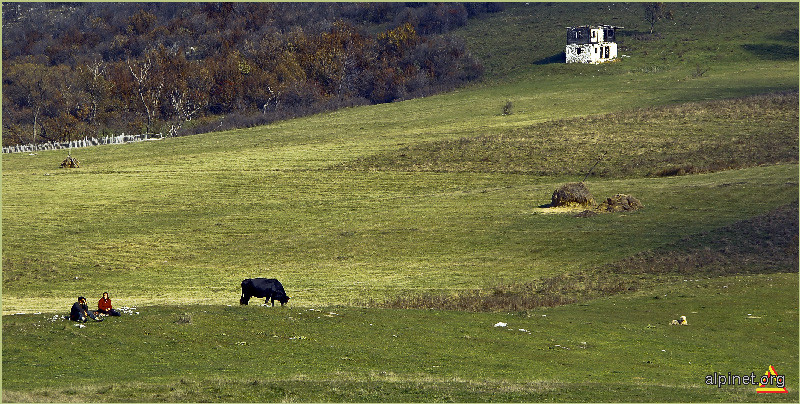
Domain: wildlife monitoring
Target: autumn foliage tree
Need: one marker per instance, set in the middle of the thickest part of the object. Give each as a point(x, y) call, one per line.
point(81, 69)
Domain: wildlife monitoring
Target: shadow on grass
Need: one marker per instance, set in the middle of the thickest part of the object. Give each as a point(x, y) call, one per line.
point(557, 58)
point(773, 51)
point(763, 244)
point(789, 35)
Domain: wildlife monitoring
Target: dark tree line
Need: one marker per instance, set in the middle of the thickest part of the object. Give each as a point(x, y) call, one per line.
point(87, 69)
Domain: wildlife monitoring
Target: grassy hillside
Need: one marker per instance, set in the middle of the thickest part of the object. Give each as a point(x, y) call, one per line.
point(183, 220)
point(692, 137)
point(699, 34)
point(441, 199)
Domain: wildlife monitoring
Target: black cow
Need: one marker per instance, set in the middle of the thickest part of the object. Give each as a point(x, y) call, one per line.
point(270, 289)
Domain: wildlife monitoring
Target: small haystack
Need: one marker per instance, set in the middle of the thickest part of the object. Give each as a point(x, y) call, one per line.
point(70, 162)
point(573, 193)
point(620, 203)
point(576, 199)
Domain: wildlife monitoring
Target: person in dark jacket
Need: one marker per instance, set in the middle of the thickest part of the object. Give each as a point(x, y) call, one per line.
point(80, 311)
point(104, 306)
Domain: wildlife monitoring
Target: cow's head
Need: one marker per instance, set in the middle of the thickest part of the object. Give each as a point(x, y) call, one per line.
point(283, 299)
point(244, 299)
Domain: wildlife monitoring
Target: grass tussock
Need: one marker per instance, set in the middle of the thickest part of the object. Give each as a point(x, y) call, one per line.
point(690, 138)
point(764, 244)
point(185, 318)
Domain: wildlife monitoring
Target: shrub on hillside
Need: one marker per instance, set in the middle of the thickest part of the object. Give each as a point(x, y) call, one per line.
point(508, 109)
point(673, 171)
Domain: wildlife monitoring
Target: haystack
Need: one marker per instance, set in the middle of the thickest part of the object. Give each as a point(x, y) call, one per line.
point(573, 193)
point(70, 162)
point(620, 203)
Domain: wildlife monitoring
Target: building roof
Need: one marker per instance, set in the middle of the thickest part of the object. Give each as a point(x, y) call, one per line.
point(597, 26)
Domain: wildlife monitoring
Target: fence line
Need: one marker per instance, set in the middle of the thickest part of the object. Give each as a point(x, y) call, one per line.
point(85, 142)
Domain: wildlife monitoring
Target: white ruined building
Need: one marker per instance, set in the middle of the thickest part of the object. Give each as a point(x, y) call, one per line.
point(591, 44)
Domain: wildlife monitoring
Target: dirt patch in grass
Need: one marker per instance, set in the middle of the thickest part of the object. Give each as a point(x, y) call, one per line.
point(763, 244)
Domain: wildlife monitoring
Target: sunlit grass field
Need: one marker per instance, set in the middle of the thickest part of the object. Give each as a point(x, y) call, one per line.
point(171, 236)
point(441, 196)
point(616, 349)
point(184, 220)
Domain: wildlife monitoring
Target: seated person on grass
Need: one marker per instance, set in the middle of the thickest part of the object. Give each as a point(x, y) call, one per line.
point(80, 311)
point(104, 306)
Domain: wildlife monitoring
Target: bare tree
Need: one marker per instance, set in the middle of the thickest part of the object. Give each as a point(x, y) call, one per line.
point(186, 87)
point(149, 85)
point(32, 78)
point(655, 12)
point(92, 89)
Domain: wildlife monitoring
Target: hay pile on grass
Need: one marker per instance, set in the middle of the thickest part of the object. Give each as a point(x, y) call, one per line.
point(575, 197)
point(70, 162)
point(572, 194)
point(620, 203)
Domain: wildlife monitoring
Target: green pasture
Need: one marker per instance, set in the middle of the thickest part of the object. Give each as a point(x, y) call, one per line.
point(184, 220)
point(615, 349)
point(441, 195)
point(657, 141)
point(339, 238)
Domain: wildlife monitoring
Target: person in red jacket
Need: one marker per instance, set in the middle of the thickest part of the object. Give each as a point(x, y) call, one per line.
point(104, 306)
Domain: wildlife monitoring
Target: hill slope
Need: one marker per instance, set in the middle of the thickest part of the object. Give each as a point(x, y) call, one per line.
point(173, 226)
point(697, 35)
point(263, 201)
